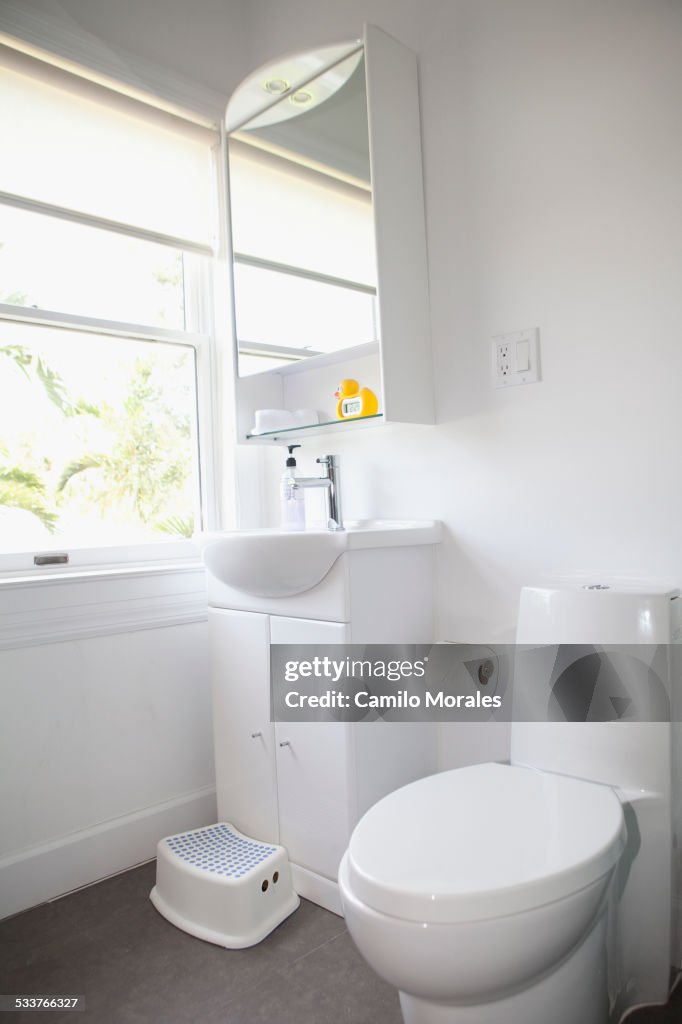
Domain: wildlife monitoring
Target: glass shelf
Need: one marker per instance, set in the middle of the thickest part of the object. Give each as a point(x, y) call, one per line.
point(311, 429)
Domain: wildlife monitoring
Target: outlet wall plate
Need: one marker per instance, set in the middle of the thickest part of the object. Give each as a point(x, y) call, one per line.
point(516, 358)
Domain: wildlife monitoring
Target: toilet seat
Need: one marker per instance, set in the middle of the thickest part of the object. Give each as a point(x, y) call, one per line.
point(483, 842)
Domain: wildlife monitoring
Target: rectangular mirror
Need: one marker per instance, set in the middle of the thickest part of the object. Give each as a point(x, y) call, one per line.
point(305, 278)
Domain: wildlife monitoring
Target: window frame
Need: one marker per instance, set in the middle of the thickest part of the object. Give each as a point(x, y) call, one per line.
point(153, 552)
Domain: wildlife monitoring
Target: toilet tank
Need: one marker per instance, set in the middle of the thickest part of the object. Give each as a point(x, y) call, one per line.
point(631, 623)
point(605, 611)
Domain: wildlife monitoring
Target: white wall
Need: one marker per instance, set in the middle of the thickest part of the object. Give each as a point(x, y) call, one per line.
point(202, 42)
point(105, 731)
point(99, 727)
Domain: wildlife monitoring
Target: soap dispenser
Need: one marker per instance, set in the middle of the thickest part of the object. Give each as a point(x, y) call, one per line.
point(292, 499)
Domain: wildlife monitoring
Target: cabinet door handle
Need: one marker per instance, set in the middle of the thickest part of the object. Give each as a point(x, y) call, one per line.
point(255, 735)
point(285, 743)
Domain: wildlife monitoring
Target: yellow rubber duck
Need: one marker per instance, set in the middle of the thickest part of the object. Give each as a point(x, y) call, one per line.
point(354, 400)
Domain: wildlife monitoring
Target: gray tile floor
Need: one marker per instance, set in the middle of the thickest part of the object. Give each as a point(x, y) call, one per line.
point(108, 943)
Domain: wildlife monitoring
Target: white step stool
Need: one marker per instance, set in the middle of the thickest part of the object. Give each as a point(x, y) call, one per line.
point(222, 886)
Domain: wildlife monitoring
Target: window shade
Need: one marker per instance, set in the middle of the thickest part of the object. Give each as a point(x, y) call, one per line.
point(72, 143)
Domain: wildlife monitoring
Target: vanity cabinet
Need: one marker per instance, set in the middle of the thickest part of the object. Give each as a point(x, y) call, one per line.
point(306, 784)
point(329, 259)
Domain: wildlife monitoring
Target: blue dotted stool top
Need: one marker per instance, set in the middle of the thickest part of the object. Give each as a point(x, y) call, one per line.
point(217, 849)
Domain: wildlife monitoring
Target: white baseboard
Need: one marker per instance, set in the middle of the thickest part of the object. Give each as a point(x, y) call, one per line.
point(316, 889)
point(43, 872)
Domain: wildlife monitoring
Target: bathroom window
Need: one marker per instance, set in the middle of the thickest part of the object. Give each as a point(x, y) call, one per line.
point(107, 236)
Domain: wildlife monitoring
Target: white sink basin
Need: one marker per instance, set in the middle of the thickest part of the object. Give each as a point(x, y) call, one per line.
point(282, 563)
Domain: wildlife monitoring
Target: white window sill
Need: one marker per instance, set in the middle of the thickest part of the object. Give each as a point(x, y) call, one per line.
point(45, 575)
point(78, 603)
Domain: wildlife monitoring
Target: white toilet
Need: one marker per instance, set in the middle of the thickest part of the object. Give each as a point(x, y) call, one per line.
point(538, 891)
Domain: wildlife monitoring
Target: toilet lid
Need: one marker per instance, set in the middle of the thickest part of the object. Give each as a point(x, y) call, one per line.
point(481, 842)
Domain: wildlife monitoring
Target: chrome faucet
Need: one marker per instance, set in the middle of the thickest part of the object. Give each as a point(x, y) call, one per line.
point(332, 485)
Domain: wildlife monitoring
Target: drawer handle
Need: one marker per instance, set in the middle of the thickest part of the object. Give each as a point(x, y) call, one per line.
point(285, 743)
point(255, 735)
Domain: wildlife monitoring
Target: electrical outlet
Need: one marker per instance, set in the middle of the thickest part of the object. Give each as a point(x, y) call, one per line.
point(516, 358)
point(503, 359)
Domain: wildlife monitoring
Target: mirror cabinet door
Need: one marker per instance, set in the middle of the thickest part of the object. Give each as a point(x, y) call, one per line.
point(302, 224)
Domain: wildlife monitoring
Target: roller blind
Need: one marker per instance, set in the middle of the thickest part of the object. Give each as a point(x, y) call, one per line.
point(69, 142)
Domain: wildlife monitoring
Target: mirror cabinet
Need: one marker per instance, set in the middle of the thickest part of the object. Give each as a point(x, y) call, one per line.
point(328, 243)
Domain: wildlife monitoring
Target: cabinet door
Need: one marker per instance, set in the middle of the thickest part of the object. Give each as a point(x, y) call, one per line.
point(314, 768)
point(244, 735)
